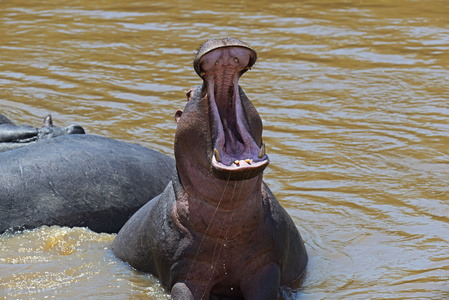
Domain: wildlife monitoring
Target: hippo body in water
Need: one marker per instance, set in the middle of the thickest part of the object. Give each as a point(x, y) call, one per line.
point(13, 136)
point(216, 230)
point(78, 180)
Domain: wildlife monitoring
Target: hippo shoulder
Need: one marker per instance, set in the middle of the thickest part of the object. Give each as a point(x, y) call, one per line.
point(150, 240)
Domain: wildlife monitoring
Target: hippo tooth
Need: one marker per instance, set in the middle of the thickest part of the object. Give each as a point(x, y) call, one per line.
point(217, 156)
point(262, 151)
point(237, 162)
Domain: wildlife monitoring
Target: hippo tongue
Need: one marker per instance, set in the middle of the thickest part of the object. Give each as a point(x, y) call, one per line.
point(234, 146)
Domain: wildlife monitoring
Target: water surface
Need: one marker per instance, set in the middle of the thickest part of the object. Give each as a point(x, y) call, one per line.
point(353, 95)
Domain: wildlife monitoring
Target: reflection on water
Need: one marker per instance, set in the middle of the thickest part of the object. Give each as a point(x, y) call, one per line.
point(353, 95)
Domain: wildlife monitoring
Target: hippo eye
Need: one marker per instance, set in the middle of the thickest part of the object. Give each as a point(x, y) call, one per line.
point(216, 62)
point(236, 59)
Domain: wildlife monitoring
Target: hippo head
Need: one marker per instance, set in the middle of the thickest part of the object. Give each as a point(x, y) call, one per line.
point(49, 131)
point(220, 131)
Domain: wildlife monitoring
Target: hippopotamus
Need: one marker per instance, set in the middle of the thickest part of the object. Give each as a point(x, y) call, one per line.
point(216, 230)
point(76, 180)
point(13, 136)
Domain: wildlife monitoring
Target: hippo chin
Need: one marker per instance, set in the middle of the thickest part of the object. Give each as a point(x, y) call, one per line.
point(13, 137)
point(216, 229)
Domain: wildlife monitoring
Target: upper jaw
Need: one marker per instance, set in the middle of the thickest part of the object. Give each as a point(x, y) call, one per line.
point(236, 154)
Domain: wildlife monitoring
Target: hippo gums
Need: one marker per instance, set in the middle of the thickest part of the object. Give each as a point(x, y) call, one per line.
point(216, 230)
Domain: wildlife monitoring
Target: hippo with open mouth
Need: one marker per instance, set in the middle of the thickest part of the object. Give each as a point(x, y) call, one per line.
point(216, 230)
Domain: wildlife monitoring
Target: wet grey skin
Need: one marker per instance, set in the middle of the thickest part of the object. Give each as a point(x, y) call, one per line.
point(13, 136)
point(64, 179)
point(216, 230)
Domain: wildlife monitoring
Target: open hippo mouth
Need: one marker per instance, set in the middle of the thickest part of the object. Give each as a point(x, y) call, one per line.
point(235, 150)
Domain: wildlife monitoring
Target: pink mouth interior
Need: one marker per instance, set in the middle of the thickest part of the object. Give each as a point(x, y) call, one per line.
point(236, 147)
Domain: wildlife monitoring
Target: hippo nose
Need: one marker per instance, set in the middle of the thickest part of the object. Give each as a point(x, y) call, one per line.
point(75, 129)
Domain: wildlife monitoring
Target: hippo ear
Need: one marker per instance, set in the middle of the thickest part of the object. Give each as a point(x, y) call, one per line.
point(189, 94)
point(48, 121)
point(178, 114)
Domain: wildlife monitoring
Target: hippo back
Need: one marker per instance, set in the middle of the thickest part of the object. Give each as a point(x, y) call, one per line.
point(79, 180)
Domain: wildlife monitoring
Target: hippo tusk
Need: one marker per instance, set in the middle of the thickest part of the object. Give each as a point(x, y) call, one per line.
point(217, 156)
point(262, 151)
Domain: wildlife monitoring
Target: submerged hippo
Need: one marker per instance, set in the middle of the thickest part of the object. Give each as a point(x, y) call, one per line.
point(13, 136)
point(216, 229)
point(78, 180)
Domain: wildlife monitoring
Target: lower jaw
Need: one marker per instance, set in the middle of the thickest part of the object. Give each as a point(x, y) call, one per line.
point(240, 172)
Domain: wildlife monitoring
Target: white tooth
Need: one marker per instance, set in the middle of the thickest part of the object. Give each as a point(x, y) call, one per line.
point(262, 151)
point(217, 156)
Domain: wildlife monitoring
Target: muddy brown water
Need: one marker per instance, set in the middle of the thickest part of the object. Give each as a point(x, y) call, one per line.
point(353, 95)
